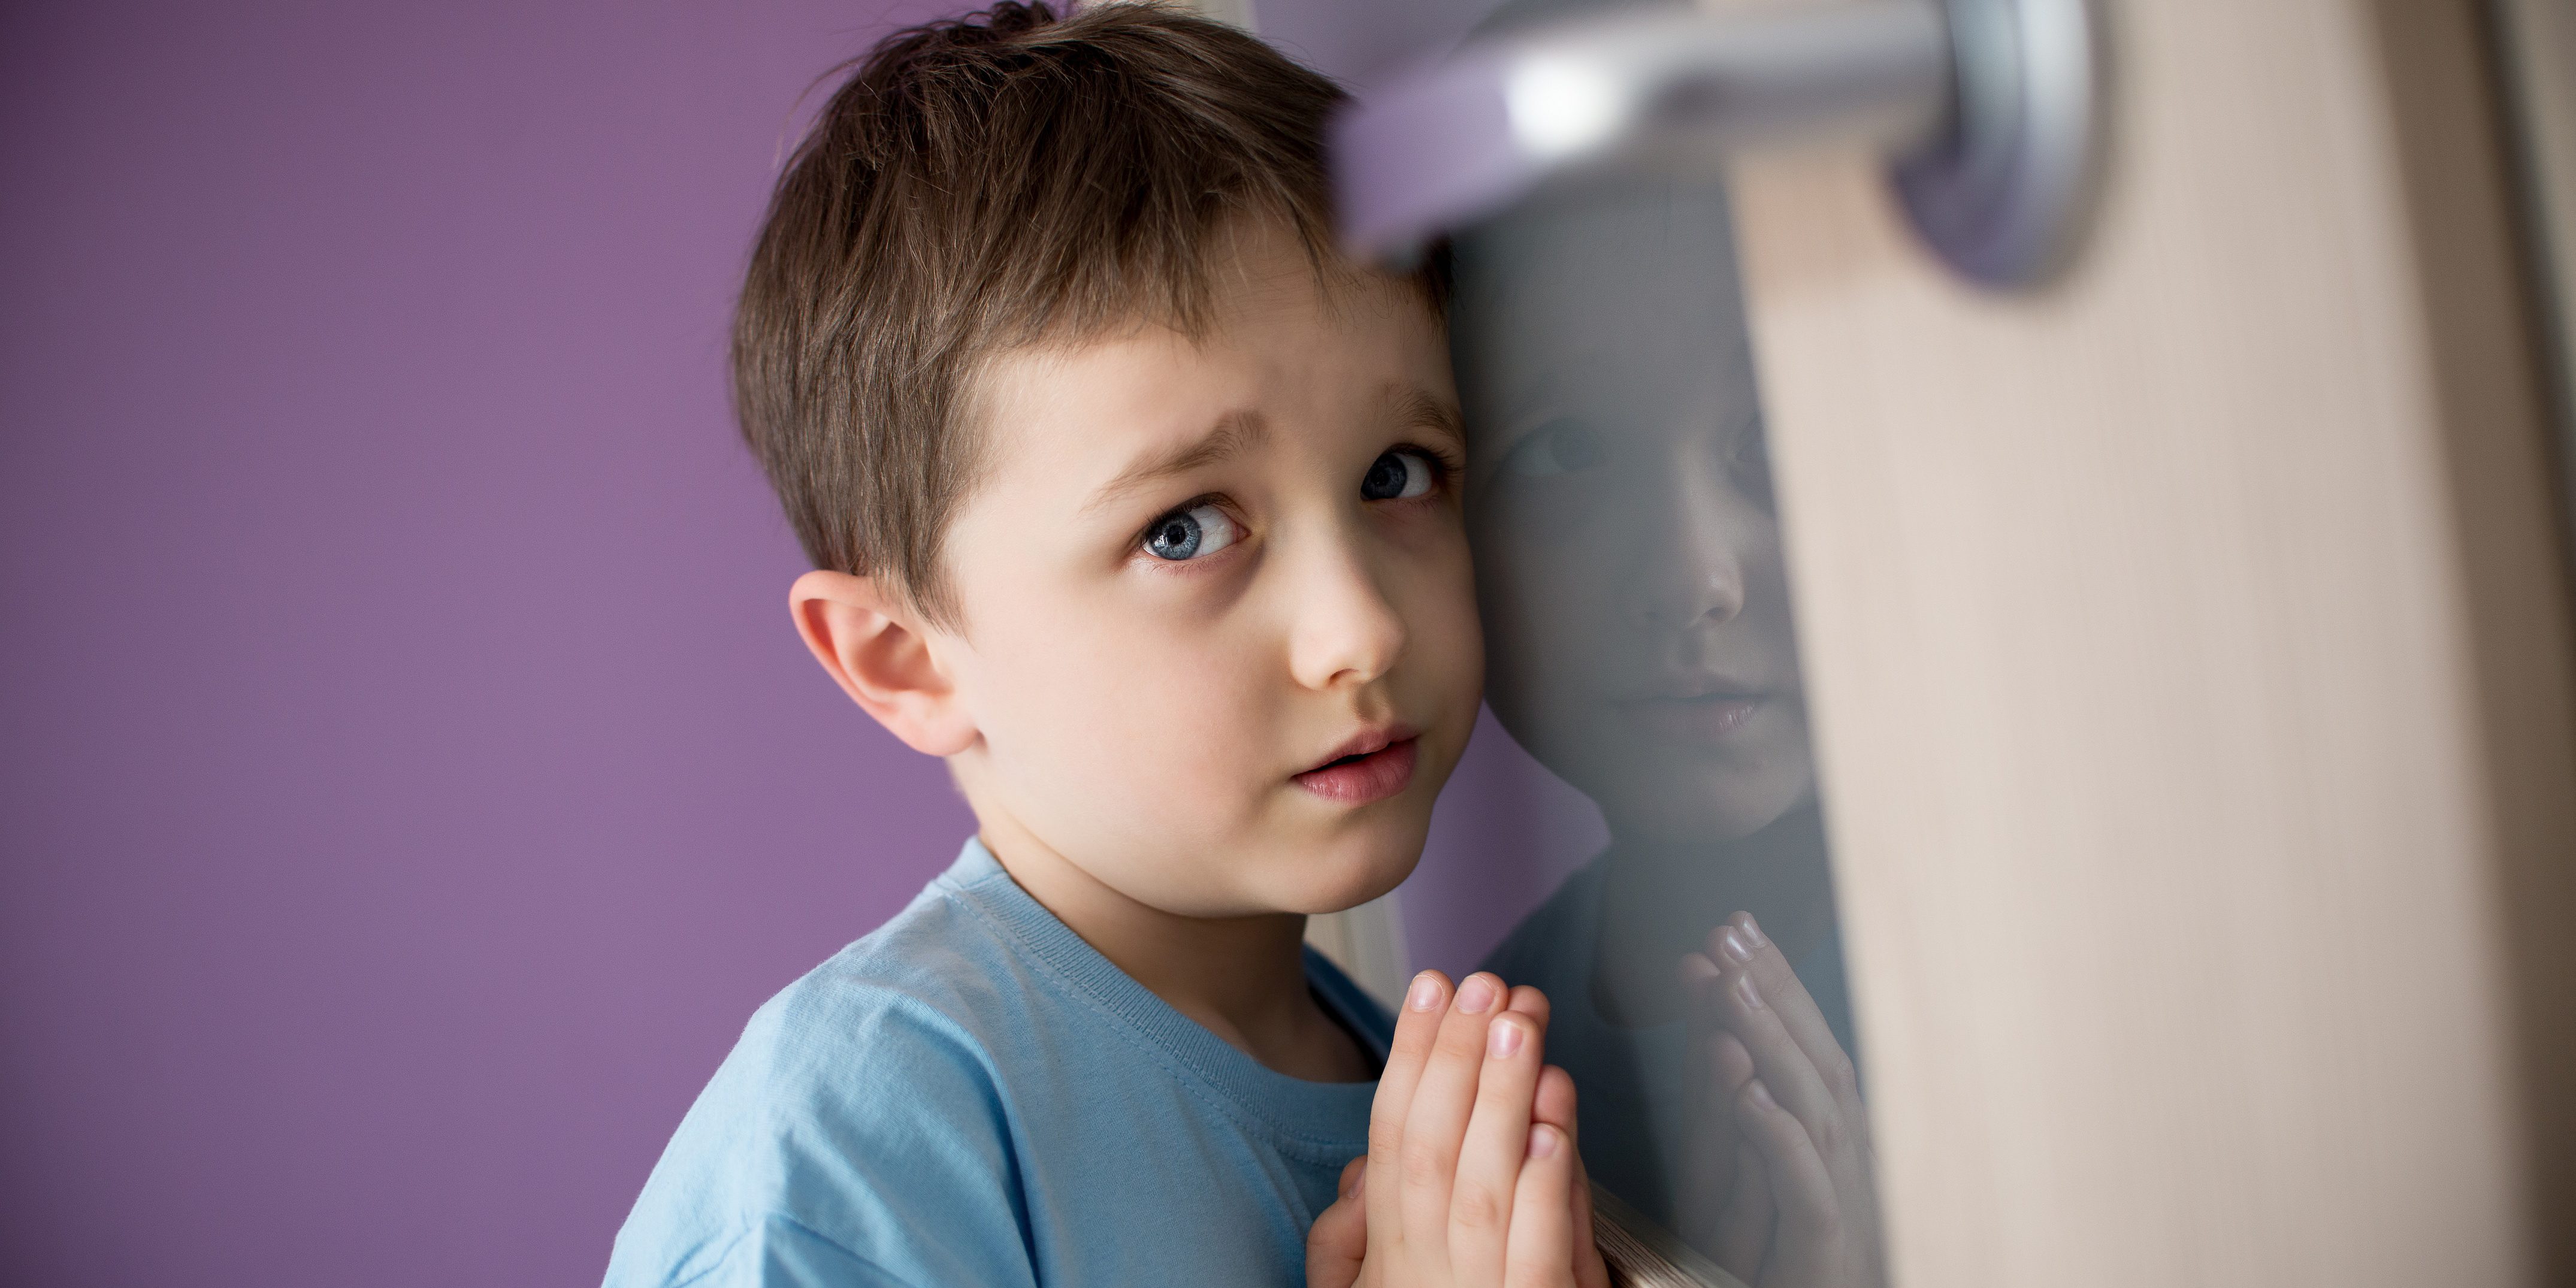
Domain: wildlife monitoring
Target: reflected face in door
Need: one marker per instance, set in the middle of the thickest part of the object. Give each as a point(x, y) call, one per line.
point(1636, 606)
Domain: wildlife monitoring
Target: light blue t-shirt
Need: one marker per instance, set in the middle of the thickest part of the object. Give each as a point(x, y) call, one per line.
point(973, 1096)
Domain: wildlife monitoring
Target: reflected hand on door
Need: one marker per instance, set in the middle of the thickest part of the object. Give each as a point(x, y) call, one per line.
point(1780, 1187)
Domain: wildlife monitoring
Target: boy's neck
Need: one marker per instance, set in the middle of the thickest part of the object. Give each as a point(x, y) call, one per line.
point(1244, 978)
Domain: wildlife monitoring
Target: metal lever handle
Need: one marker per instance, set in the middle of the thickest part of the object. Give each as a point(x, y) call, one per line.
point(1991, 112)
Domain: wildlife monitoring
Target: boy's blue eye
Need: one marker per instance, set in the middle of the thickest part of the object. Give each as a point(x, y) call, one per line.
point(1193, 533)
point(1561, 446)
point(1395, 476)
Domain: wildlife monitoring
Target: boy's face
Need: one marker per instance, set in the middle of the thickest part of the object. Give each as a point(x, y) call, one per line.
point(1197, 574)
point(1630, 561)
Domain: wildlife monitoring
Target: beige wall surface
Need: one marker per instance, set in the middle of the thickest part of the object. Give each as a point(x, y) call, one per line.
point(2191, 658)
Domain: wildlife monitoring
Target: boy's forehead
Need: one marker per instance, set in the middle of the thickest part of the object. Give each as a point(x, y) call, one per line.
point(1063, 412)
point(1284, 351)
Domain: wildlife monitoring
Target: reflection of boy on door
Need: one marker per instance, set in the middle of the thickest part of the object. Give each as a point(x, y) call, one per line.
point(1640, 645)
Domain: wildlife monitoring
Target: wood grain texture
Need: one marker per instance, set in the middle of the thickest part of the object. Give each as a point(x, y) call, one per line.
point(2191, 662)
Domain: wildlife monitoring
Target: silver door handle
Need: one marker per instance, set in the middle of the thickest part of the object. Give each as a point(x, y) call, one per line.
point(1990, 111)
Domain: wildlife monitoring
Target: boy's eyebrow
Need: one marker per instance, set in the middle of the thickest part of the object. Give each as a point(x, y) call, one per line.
point(1233, 433)
point(1418, 409)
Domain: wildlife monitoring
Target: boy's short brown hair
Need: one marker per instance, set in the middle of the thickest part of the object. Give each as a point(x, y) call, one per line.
point(981, 184)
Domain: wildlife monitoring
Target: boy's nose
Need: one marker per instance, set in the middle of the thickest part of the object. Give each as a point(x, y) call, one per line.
point(1694, 566)
point(1686, 590)
point(1344, 630)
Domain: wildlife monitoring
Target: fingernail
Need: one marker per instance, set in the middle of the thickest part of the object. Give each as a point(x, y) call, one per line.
point(1733, 945)
point(1359, 1184)
point(1503, 1041)
point(1746, 993)
point(1761, 1094)
point(1476, 995)
point(1752, 929)
point(1426, 992)
point(1543, 1141)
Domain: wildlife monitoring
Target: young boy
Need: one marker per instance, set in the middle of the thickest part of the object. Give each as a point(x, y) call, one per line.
point(1136, 504)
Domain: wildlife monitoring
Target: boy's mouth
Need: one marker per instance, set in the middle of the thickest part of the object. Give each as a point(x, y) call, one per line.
point(1379, 766)
point(1702, 719)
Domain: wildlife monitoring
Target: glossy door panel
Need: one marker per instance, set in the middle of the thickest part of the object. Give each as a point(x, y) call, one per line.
point(2190, 653)
point(2139, 708)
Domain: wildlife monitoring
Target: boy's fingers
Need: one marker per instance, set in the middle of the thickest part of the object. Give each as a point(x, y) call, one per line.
point(1782, 1065)
point(1823, 1104)
point(1417, 1027)
point(1719, 1066)
point(1435, 1122)
point(1554, 1102)
point(1541, 1249)
point(1529, 1001)
point(1810, 1223)
point(1498, 1135)
point(1744, 1223)
point(1739, 940)
point(1731, 1064)
point(1337, 1244)
point(1590, 1271)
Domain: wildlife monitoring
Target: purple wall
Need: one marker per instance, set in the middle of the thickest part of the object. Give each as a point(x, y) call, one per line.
point(411, 780)
point(1505, 833)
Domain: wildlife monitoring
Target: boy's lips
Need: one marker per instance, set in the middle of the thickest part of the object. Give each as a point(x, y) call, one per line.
point(1375, 767)
point(1703, 718)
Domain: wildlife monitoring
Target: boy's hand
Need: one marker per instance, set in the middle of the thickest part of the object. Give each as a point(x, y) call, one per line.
point(1779, 1189)
point(1471, 1144)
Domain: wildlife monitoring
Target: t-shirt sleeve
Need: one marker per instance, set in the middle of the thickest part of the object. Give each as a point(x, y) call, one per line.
point(866, 1147)
point(779, 1253)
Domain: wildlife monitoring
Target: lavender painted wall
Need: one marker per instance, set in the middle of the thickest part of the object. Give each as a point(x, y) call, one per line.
point(1505, 833)
point(411, 782)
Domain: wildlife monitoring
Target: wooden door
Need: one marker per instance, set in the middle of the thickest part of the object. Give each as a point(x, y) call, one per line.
point(2190, 652)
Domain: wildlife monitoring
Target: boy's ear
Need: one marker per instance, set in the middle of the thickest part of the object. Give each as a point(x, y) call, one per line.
point(874, 645)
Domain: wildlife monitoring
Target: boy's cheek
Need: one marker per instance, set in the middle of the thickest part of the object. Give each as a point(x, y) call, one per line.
point(1161, 737)
point(1455, 645)
point(1138, 742)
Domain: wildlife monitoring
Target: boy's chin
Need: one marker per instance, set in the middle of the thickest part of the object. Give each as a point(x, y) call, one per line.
point(1350, 882)
point(1702, 814)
